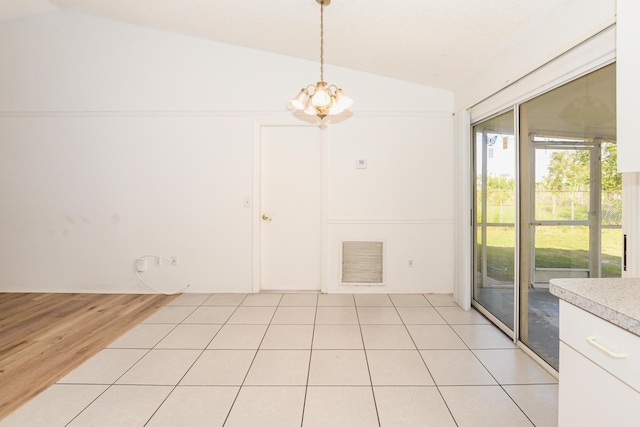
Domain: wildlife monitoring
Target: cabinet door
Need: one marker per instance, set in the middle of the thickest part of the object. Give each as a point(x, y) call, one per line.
point(576, 325)
point(592, 397)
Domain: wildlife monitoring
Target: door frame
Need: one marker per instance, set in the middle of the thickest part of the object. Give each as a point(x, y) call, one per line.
point(630, 223)
point(511, 333)
point(594, 221)
point(258, 125)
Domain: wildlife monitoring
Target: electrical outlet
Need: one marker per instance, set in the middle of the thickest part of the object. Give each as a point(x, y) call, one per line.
point(410, 262)
point(158, 261)
point(174, 260)
point(141, 265)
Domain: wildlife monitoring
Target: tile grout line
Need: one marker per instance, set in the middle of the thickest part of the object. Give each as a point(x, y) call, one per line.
point(196, 359)
point(501, 385)
point(487, 369)
point(366, 358)
point(422, 358)
point(148, 350)
point(235, 399)
point(306, 388)
point(360, 327)
point(89, 404)
point(109, 386)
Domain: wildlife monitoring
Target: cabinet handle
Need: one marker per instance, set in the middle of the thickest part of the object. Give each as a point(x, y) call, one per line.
point(593, 342)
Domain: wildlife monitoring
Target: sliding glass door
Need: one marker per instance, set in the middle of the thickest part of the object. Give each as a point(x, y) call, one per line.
point(495, 216)
point(569, 205)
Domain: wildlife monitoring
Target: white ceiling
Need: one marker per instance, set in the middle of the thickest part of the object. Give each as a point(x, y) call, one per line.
point(433, 42)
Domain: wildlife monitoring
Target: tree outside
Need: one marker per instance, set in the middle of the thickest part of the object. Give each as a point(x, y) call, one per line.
point(562, 194)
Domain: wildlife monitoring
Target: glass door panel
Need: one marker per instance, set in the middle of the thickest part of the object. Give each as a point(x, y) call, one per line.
point(560, 235)
point(495, 207)
point(559, 183)
point(567, 142)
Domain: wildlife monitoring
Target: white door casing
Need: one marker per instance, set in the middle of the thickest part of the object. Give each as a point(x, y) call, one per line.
point(289, 208)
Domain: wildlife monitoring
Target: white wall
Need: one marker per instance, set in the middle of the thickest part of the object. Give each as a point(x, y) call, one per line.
point(577, 21)
point(65, 61)
point(119, 141)
point(627, 85)
point(404, 197)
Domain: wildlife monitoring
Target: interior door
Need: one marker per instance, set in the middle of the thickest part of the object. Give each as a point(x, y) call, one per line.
point(291, 208)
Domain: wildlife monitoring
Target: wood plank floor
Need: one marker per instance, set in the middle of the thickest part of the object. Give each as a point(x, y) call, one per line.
point(43, 337)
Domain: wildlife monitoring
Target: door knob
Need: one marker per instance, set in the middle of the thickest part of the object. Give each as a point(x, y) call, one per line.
point(266, 217)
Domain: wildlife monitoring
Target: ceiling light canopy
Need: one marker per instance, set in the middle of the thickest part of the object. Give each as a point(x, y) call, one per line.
point(321, 99)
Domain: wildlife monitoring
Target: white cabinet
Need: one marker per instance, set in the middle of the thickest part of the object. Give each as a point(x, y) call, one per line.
point(628, 84)
point(591, 396)
point(599, 372)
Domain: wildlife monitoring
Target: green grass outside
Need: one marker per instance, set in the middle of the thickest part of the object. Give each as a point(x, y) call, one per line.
point(556, 247)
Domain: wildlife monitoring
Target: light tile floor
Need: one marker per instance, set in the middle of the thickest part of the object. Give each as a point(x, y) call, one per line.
point(303, 360)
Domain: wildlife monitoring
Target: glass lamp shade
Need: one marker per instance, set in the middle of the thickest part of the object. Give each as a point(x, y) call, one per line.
point(343, 100)
point(323, 101)
point(321, 97)
point(300, 99)
point(335, 107)
point(310, 109)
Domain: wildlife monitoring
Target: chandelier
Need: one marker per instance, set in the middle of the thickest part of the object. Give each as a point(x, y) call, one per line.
point(321, 99)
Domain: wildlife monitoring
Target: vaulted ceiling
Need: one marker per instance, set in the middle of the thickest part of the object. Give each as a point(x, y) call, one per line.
point(438, 43)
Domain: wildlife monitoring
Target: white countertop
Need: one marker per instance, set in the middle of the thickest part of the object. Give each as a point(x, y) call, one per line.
point(615, 300)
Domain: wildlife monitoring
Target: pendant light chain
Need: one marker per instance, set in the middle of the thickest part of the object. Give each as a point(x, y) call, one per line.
point(321, 99)
point(322, 40)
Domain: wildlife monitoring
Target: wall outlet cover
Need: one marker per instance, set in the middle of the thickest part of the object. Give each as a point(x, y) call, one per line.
point(141, 265)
